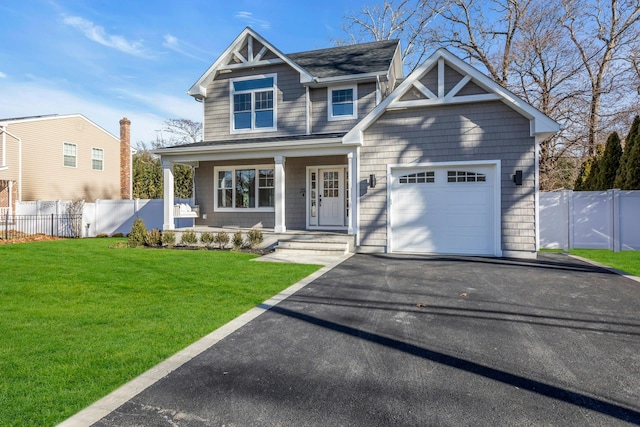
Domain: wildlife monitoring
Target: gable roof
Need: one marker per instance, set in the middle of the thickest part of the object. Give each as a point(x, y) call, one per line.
point(472, 86)
point(254, 58)
point(365, 58)
point(250, 49)
point(27, 119)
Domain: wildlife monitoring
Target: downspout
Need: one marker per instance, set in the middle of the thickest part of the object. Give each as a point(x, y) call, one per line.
point(308, 102)
point(4, 133)
point(4, 147)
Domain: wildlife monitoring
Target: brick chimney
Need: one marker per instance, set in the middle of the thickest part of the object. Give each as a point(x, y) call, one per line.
point(125, 159)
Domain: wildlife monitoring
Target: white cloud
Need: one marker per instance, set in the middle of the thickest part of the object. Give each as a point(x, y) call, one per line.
point(182, 47)
point(2, 75)
point(251, 20)
point(98, 34)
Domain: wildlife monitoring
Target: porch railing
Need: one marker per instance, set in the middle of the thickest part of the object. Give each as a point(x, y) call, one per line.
point(19, 226)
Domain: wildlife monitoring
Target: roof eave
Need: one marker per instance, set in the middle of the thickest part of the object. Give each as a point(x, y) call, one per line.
point(349, 78)
point(249, 146)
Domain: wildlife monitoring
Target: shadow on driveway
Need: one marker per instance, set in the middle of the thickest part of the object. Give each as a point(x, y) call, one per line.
point(419, 340)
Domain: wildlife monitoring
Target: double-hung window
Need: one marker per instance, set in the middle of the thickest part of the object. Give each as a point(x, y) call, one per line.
point(97, 159)
point(245, 187)
point(342, 103)
point(253, 104)
point(70, 155)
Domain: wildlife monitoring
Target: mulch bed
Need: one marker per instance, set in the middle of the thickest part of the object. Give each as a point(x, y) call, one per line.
point(27, 239)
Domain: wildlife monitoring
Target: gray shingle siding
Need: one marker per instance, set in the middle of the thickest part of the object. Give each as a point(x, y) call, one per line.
point(295, 200)
point(205, 187)
point(290, 107)
point(486, 131)
point(320, 105)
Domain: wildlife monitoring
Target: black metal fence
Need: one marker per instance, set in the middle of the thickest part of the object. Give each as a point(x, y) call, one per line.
point(19, 226)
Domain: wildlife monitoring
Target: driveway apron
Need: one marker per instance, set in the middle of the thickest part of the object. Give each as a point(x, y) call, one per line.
point(420, 340)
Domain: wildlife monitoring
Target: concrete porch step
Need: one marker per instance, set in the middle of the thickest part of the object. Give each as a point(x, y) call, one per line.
point(315, 244)
point(312, 247)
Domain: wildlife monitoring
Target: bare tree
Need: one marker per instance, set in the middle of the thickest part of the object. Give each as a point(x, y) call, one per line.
point(147, 171)
point(178, 132)
point(406, 20)
point(603, 33)
point(484, 31)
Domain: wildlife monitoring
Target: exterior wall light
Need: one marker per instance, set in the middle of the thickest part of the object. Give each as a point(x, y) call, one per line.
point(517, 178)
point(372, 181)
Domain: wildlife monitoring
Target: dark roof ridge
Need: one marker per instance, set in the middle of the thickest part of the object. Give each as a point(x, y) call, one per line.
point(346, 46)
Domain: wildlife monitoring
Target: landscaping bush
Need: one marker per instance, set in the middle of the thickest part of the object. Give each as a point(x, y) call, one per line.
point(117, 235)
point(237, 240)
point(207, 238)
point(138, 233)
point(153, 238)
point(189, 238)
point(102, 235)
point(168, 238)
point(221, 239)
point(254, 237)
point(75, 210)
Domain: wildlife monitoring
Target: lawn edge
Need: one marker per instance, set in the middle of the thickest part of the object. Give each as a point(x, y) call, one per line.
point(103, 407)
point(606, 267)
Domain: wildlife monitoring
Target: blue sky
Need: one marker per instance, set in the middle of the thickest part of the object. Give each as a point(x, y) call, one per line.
point(110, 59)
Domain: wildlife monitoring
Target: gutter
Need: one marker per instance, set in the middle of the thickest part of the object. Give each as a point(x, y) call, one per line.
point(250, 146)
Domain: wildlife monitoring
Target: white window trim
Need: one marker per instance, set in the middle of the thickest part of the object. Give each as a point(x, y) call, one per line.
point(330, 115)
point(233, 168)
point(63, 155)
point(92, 159)
point(253, 129)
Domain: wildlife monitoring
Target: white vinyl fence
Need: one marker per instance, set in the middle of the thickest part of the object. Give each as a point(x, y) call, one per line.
point(108, 216)
point(590, 220)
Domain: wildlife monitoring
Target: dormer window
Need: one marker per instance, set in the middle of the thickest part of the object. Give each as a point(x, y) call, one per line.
point(342, 103)
point(252, 104)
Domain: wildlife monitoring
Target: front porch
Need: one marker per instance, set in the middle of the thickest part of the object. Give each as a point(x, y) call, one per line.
point(306, 189)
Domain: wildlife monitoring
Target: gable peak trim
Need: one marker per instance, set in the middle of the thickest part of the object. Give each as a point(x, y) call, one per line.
point(226, 60)
point(442, 58)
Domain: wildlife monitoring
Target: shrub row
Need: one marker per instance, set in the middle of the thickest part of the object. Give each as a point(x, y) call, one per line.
point(140, 236)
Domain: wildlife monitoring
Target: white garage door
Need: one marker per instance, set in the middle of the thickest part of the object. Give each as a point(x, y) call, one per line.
point(443, 210)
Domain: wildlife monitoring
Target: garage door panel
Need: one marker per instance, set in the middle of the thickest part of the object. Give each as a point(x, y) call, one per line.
point(442, 216)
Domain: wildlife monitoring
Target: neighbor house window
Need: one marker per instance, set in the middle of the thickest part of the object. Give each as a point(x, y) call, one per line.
point(252, 104)
point(70, 154)
point(97, 159)
point(244, 187)
point(342, 103)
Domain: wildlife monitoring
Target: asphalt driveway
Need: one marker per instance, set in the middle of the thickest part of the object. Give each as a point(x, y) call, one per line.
point(417, 340)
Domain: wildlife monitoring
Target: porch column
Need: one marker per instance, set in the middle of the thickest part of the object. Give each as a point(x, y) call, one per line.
point(167, 175)
point(280, 226)
point(352, 158)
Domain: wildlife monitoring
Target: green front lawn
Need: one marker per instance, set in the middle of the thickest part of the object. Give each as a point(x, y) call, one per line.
point(78, 319)
point(627, 261)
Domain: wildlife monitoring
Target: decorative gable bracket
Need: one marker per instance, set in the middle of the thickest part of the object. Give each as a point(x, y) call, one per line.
point(442, 93)
point(248, 50)
point(244, 56)
point(445, 79)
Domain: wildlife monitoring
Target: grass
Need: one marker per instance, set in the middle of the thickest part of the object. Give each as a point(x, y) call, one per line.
point(79, 319)
point(627, 261)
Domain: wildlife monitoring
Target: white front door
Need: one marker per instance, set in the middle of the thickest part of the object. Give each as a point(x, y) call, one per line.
point(331, 197)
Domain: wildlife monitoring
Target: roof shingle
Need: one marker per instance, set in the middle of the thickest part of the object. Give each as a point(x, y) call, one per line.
point(374, 57)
